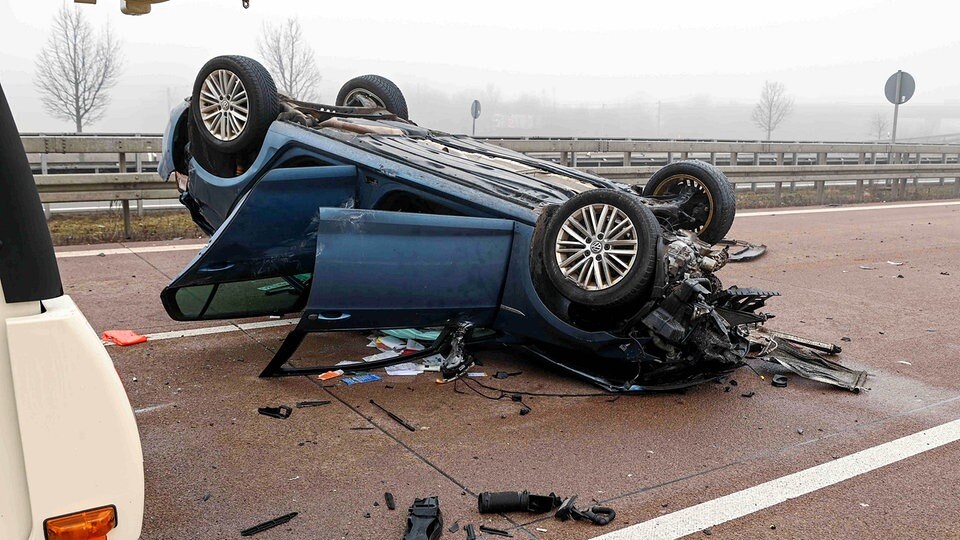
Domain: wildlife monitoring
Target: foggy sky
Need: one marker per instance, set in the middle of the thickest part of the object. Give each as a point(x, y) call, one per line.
point(576, 54)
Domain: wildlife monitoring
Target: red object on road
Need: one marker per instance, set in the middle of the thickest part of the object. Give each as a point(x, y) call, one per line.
point(124, 337)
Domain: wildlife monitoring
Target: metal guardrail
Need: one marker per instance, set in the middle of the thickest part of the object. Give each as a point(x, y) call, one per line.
point(628, 160)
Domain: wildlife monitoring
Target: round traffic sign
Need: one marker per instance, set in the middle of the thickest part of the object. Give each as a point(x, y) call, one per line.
point(475, 109)
point(907, 87)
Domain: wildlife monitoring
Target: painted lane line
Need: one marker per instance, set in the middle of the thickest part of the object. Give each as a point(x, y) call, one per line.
point(771, 213)
point(845, 209)
point(210, 330)
point(129, 250)
point(736, 505)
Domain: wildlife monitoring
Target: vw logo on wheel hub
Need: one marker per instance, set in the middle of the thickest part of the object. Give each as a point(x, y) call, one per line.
point(596, 246)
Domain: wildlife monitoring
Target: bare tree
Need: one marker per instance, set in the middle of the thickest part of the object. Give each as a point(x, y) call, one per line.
point(290, 60)
point(76, 68)
point(773, 107)
point(879, 125)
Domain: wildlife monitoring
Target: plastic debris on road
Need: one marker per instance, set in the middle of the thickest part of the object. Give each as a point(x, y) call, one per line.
point(365, 378)
point(330, 375)
point(123, 337)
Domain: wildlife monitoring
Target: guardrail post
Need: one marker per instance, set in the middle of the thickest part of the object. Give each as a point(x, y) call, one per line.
point(777, 192)
point(127, 226)
point(139, 164)
point(563, 159)
point(756, 161)
point(943, 160)
point(627, 157)
point(43, 170)
point(796, 161)
point(713, 158)
point(669, 158)
point(733, 159)
point(573, 158)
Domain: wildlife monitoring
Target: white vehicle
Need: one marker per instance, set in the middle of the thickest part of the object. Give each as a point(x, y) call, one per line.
point(71, 466)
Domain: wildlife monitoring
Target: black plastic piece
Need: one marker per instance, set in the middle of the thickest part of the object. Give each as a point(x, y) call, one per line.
point(495, 532)
point(471, 534)
point(780, 381)
point(266, 525)
point(425, 521)
point(305, 404)
point(28, 265)
point(282, 412)
point(515, 501)
point(598, 515)
point(391, 503)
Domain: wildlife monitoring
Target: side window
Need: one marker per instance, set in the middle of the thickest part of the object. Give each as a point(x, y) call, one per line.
point(266, 296)
point(400, 201)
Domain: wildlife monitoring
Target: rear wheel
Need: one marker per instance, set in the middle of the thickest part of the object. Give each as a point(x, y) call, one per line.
point(373, 91)
point(707, 197)
point(234, 102)
point(600, 248)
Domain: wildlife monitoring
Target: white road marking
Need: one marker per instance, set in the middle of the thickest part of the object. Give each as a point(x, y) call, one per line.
point(769, 213)
point(736, 505)
point(845, 209)
point(194, 332)
point(129, 250)
point(152, 408)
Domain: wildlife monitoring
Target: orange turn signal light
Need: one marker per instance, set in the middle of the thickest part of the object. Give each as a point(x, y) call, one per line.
point(93, 524)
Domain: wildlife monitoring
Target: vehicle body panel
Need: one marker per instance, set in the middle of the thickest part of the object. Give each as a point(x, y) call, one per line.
point(393, 269)
point(68, 438)
point(81, 446)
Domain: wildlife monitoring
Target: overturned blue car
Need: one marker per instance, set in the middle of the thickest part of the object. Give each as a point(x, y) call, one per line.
point(360, 219)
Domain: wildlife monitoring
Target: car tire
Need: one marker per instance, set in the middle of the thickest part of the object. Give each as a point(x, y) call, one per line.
point(373, 91)
point(621, 266)
point(715, 204)
point(224, 88)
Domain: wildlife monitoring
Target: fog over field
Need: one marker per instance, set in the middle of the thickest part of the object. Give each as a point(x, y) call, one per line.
point(671, 69)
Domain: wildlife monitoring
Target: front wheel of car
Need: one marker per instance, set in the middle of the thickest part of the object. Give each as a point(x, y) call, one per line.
point(233, 104)
point(709, 203)
point(600, 248)
point(373, 91)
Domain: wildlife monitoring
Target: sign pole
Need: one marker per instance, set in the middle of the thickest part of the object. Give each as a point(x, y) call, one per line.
point(896, 107)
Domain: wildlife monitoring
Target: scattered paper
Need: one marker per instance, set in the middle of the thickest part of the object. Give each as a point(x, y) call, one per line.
point(477, 374)
point(381, 356)
point(904, 362)
point(408, 368)
point(432, 363)
point(390, 343)
point(865, 267)
point(413, 345)
point(895, 263)
point(347, 362)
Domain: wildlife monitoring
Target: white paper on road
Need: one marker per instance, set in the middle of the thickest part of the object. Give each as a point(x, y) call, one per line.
point(408, 368)
point(381, 356)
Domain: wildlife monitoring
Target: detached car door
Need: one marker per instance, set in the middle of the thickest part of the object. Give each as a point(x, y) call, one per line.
point(382, 269)
point(295, 237)
point(260, 261)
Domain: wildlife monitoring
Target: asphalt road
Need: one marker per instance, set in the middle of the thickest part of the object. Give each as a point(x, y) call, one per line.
point(214, 466)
